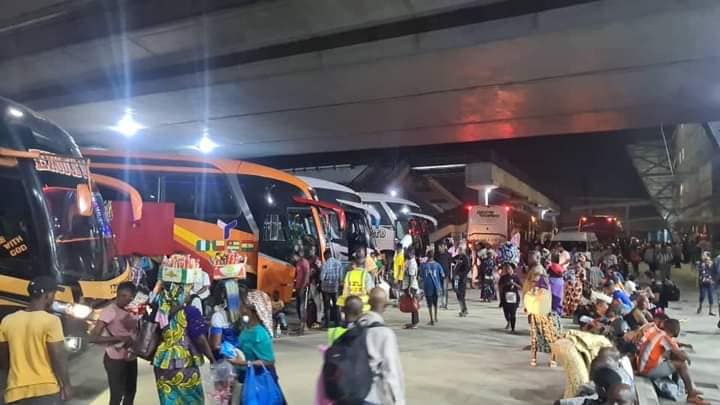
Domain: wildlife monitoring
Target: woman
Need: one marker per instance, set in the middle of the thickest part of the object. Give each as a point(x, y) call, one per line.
point(574, 284)
point(706, 282)
point(486, 268)
point(180, 354)
point(557, 283)
point(255, 343)
point(509, 286)
point(410, 284)
point(544, 324)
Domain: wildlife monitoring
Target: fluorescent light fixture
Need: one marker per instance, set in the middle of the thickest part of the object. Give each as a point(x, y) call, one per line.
point(206, 145)
point(543, 212)
point(488, 190)
point(127, 124)
point(15, 112)
point(440, 167)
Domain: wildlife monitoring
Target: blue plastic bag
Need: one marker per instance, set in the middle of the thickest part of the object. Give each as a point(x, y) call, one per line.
point(260, 388)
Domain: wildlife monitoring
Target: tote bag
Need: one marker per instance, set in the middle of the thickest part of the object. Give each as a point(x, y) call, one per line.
point(260, 388)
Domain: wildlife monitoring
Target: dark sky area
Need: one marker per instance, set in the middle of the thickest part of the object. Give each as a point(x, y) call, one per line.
point(562, 166)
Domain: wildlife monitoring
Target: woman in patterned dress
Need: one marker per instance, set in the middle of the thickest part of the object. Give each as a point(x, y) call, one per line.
point(180, 353)
point(574, 284)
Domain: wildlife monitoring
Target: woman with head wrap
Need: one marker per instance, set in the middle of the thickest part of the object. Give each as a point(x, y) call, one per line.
point(544, 325)
point(180, 353)
point(574, 281)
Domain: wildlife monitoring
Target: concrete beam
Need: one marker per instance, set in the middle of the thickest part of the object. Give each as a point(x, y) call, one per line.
point(481, 175)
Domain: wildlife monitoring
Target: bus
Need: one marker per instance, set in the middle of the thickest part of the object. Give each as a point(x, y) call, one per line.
point(399, 217)
point(263, 214)
point(51, 222)
point(607, 227)
point(356, 232)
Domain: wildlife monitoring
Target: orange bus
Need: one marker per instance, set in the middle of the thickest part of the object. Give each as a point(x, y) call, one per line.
point(265, 214)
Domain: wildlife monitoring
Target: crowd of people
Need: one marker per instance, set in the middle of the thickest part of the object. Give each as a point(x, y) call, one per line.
point(624, 328)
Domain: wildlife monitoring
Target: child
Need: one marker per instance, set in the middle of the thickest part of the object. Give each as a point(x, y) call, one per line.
point(279, 316)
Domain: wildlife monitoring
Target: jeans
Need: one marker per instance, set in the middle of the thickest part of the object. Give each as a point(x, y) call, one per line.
point(332, 314)
point(280, 318)
point(122, 380)
point(510, 312)
point(707, 290)
point(300, 300)
point(53, 399)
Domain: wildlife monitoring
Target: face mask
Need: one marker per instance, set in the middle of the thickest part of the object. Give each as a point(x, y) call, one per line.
point(245, 319)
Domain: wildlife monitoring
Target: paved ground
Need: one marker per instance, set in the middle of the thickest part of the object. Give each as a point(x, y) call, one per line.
point(460, 361)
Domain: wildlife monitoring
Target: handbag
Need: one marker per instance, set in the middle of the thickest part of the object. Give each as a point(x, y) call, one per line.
point(148, 340)
point(539, 302)
point(260, 388)
point(408, 304)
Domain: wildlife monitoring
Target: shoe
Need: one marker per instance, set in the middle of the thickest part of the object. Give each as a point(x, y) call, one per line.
point(507, 326)
point(699, 309)
point(711, 313)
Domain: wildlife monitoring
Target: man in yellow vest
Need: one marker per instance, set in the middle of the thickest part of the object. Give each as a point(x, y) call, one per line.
point(358, 281)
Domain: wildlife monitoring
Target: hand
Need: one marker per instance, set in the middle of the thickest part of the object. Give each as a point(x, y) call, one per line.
point(127, 340)
point(66, 393)
point(258, 363)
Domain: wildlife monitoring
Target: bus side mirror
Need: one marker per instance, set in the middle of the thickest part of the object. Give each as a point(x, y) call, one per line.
point(83, 199)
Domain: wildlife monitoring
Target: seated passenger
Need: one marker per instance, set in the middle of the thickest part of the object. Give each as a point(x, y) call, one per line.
point(640, 314)
point(613, 289)
point(278, 314)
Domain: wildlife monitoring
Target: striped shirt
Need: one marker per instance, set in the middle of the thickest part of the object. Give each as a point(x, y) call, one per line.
point(653, 345)
point(330, 275)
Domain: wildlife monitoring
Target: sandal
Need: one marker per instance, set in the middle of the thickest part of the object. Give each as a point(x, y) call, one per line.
point(533, 363)
point(553, 364)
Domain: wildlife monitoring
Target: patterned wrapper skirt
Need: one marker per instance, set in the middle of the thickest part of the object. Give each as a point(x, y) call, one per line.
point(181, 386)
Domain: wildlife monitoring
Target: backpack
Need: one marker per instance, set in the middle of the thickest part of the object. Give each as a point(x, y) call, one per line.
point(346, 372)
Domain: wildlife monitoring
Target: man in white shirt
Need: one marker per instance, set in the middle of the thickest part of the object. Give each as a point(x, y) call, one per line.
point(564, 256)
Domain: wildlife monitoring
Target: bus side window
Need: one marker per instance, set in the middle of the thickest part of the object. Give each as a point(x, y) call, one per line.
point(180, 189)
point(16, 230)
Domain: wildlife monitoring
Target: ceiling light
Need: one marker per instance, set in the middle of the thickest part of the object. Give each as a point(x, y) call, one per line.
point(15, 112)
point(127, 124)
point(393, 193)
point(206, 145)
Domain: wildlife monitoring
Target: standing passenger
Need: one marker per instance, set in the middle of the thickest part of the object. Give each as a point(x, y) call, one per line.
point(462, 269)
point(444, 258)
point(410, 284)
point(432, 274)
point(510, 287)
point(302, 281)
point(330, 275)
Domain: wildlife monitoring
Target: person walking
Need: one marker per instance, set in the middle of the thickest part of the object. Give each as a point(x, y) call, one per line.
point(574, 284)
point(649, 257)
point(510, 287)
point(330, 275)
point(183, 343)
point(432, 275)
point(357, 281)
point(410, 284)
point(706, 282)
point(302, 282)
point(462, 269)
point(388, 386)
point(117, 328)
point(32, 349)
point(664, 262)
point(443, 258)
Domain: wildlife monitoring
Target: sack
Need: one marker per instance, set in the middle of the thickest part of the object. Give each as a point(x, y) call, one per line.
point(148, 340)
point(346, 373)
point(538, 303)
point(260, 388)
point(408, 304)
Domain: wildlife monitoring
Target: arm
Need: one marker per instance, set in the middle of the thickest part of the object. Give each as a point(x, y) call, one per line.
point(201, 342)
point(392, 371)
point(58, 361)
point(96, 335)
point(4, 356)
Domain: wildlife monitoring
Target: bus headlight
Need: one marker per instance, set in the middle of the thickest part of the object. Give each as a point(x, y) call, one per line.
point(73, 344)
point(78, 311)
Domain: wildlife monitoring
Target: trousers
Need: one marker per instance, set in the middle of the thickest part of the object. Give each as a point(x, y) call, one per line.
point(510, 312)
point(122, 380)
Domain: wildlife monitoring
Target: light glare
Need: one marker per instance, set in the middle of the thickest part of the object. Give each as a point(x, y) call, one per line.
point(127, 124)
point(15, 113)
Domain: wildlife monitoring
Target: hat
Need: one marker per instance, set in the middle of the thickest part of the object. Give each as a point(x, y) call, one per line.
point(41, 285)
point(630, 286)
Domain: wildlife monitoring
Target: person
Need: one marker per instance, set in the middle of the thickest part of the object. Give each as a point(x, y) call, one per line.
point(32, 349)
point(706, 282)
point(200, 292)
point(640, 314)
point(117, 328)
point(487, 265)
point(650, 256)
point(384, 355)
point(664, 262)
point(462, 269)
point(278, 313)
point(352, 310)
point(443, 258)
point(410, 284)
point(221, 329)
point(315, 293)
point(659, 355)
point(619, 296)
point(398, 268)
point(357, 281)
point(544, 327)
point(564, 257)
point(574, 284)
point(556, 272)
point(255, 343)
point(510, 287)
point(302, 282)
point(677, 254)
point(330, 275)
point(183, 343)
point(432, 274)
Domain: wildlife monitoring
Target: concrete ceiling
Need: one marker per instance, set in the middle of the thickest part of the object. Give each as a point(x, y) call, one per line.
point(599, 66)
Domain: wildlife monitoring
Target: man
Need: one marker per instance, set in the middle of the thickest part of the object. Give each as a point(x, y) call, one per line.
point(619, 297)
point(462, 269)
point(32, 349)
point(330, 275)
point(664, 262)
point(352, 310)
point(432, 275)
point(410, 284)
point(384, 355)
point(444, 259)
point(302, 281)
point(357, 281)
point(563, 256)
point(117, 328)
point(659, 356)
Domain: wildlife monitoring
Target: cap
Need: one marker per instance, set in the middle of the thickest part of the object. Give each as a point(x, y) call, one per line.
point(43, 284)
point(630, 286)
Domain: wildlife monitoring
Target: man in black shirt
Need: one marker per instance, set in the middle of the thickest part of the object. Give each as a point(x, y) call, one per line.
point(462, 268)
point(443, 257)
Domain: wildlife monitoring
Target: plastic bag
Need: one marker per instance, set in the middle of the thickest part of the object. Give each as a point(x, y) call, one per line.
point(223, 379)
point(260, 388)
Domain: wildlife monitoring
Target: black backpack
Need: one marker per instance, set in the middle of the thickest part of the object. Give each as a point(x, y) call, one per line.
point(346, 373)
